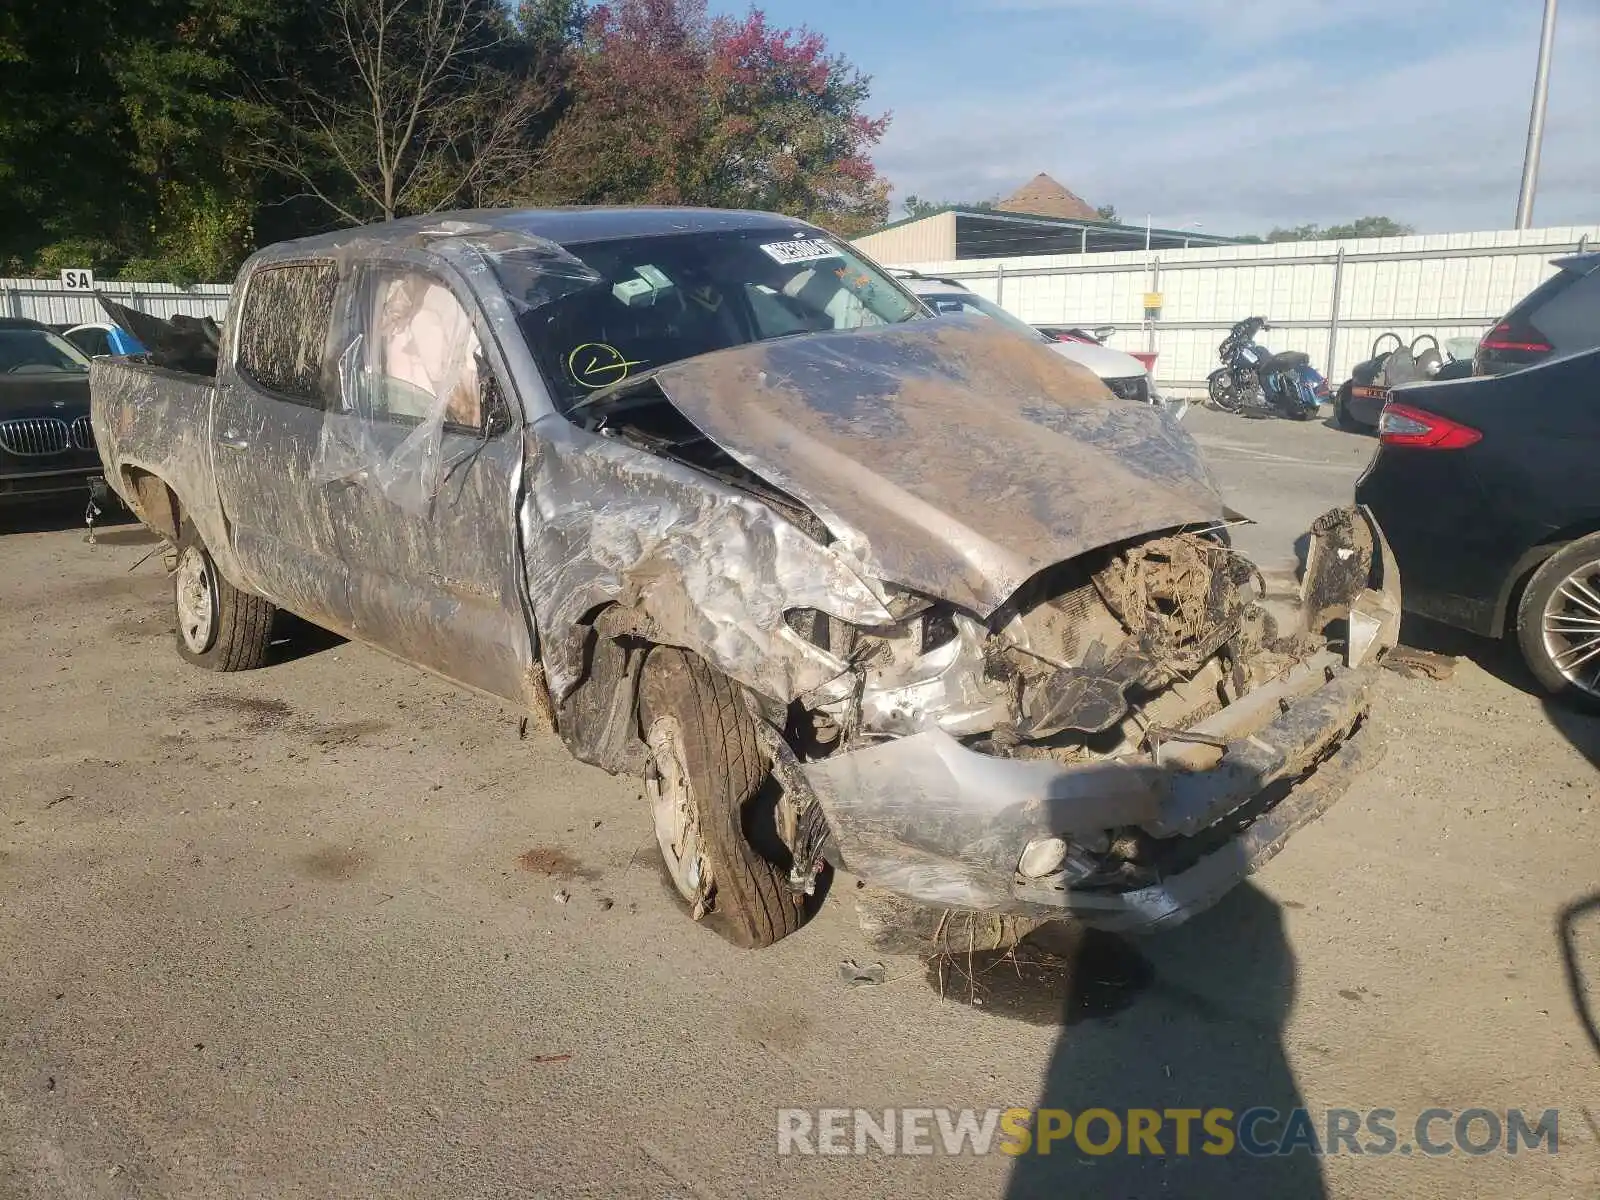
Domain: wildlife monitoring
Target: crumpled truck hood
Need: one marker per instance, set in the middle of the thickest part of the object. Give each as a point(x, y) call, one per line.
point(952, 457)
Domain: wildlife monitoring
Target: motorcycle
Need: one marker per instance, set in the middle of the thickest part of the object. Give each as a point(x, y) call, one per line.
point(1256, 382)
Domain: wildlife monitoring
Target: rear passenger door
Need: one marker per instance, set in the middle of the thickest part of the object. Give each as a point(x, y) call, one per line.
point(424, 517)
point(265, 430)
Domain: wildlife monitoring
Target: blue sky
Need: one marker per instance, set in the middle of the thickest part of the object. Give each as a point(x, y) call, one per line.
point(1235, 114)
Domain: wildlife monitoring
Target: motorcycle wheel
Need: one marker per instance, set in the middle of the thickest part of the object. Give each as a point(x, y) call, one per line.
point(1222, 392)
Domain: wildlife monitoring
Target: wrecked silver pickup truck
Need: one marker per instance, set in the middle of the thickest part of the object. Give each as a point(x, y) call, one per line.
point(722, 504)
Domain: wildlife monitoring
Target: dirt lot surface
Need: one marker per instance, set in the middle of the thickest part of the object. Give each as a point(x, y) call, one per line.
point(333, 929)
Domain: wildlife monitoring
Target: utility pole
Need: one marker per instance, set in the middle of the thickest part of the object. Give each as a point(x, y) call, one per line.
point(1541, 96)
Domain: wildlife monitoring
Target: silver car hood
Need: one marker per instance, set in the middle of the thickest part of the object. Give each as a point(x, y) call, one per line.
point(949, 456)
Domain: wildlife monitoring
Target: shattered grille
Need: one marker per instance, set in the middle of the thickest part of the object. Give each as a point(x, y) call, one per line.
point(1133, 387)
point(283, 328)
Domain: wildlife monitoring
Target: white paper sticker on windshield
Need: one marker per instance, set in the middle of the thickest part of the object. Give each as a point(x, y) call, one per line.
point(801, 250)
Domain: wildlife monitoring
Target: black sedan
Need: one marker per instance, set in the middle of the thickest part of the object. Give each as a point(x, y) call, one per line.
point(46, 444)
point(1488, 492)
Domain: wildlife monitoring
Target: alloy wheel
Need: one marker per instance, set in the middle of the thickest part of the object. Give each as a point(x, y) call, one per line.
point(1571, 625)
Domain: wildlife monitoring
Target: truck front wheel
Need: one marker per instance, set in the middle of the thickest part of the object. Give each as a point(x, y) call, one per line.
point(220, 628)
point(706, 767)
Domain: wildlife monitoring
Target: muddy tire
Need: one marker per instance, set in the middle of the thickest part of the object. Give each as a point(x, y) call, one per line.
point(219, 627)
point(707, 767)
point(1558, 624)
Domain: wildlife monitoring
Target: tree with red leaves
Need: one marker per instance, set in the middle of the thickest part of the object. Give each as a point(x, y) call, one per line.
point(669, 106)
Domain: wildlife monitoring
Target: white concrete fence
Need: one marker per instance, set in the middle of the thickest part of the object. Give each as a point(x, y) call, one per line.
point(1329, 299)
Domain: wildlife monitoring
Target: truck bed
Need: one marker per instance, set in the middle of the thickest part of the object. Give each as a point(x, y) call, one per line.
point(153, 421)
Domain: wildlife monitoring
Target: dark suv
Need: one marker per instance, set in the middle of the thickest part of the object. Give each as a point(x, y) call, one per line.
point(1560, 316)
point(46, 444)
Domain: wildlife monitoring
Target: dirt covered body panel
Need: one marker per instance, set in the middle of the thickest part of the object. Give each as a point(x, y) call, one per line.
point(979, 605)
point(954, 458)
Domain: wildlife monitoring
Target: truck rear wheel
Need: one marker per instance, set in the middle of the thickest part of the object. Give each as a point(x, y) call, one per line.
point(220, 628)
point(706, 767)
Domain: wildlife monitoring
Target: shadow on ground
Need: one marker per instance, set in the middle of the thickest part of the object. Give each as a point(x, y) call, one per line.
point(1498, 657)
point(293, 639)
point(1582, 732)
point(1188, 1020)
point(1579, 984)
point(62, 512)
point(1501, 659)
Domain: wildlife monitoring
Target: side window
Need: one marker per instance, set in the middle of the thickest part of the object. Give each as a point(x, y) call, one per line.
point(423, 355)
point(283, 329)
point(92, 341)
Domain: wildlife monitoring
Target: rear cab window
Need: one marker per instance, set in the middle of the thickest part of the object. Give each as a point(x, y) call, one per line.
point(283, 330)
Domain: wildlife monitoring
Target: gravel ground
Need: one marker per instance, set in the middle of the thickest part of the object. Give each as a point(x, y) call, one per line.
point(333, 928)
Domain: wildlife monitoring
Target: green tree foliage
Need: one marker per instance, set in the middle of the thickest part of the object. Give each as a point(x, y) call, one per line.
point(669, 106)
point(1107, 212)
point(1361, 227)
point(167, 139)
point(428, 104)
point(114, 134)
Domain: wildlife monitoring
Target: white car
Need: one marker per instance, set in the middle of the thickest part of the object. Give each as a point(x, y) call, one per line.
point(1124, 374)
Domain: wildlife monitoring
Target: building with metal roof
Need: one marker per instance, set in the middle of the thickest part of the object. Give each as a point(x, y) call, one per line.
point(955, 232)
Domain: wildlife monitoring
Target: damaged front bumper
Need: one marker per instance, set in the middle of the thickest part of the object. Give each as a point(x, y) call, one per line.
point(947, 826)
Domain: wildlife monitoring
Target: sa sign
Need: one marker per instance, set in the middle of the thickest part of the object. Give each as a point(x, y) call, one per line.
point(77, 279)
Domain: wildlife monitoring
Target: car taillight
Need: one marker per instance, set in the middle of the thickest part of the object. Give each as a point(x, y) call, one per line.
point(1402, 425)
point(1515, 335)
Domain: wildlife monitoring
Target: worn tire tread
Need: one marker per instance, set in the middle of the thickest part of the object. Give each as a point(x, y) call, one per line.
point(754, 905)
point(244, 622)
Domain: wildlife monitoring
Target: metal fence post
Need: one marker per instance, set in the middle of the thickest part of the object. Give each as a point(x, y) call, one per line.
point(1000, 284)
point(1149, 322)
point(14, 301)
point(1333, 315)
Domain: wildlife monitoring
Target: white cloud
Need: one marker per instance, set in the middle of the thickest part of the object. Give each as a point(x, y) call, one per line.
point(1428, 132)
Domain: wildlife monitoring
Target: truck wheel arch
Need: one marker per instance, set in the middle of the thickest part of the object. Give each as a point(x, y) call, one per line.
point(154, 500)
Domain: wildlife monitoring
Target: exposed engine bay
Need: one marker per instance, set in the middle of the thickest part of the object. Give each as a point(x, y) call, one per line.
point(1147, 691)
point(1091, 660)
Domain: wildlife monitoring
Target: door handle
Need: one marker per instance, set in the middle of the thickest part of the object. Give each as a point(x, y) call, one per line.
point(233, 441)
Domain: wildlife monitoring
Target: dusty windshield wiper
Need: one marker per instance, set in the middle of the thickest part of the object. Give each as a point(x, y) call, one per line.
point(622, 389)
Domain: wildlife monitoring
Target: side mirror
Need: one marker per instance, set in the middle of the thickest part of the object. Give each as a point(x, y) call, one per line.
point(1102, 332)
point(496, 410)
